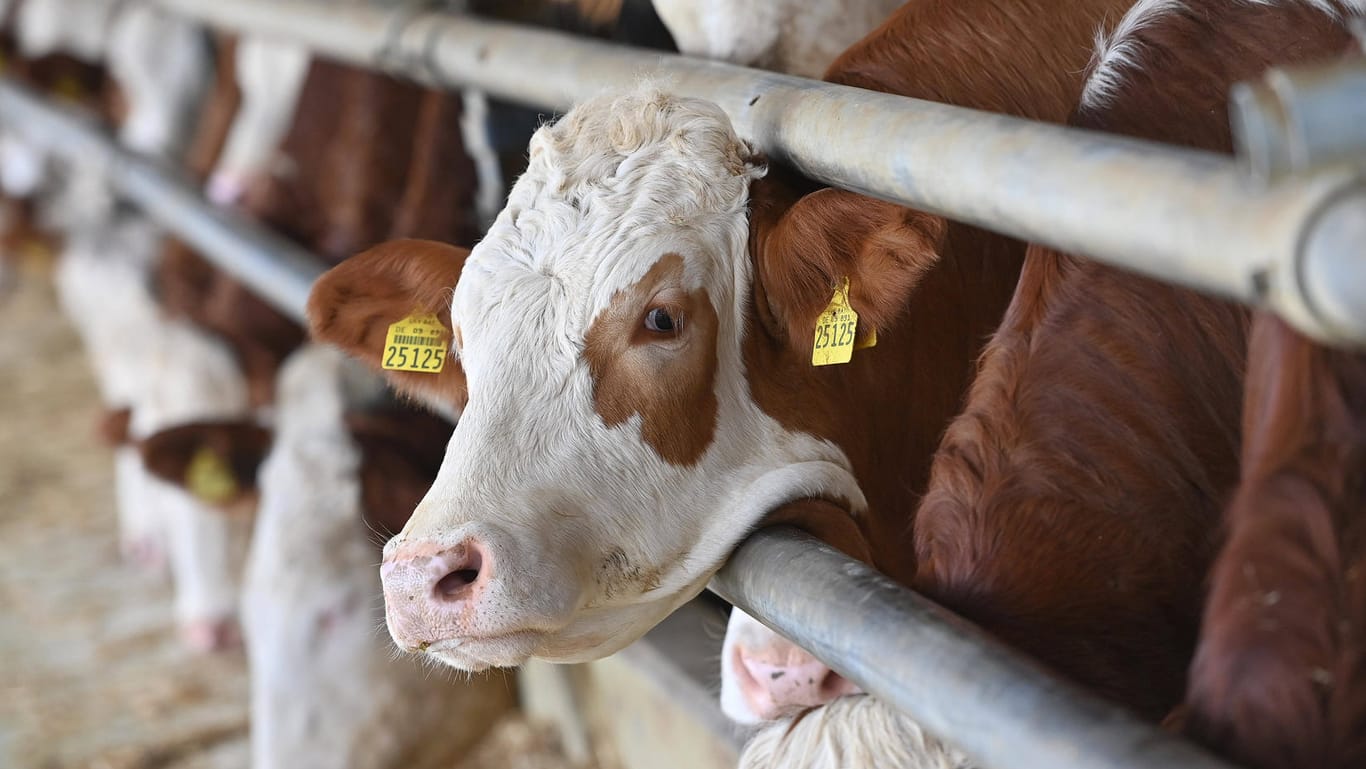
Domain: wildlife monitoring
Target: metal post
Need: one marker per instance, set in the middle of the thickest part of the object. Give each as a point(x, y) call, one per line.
point(276, 269)
point(1186, 217)
point(954, 680)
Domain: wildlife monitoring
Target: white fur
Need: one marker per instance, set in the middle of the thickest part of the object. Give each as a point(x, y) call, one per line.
point(102, 281)
point(168, 373)
point(194, 377)
point(76, 27)
point(857, 732)
point(474, 130)
point(327, 690)
point(532, 471)
point(798, 37)
point(163, 64)
point(270, 74)
point(1119, 52)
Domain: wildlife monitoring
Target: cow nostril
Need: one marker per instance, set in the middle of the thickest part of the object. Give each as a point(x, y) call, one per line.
point(456, 583)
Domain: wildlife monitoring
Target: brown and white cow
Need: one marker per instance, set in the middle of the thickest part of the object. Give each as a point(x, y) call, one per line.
point(343, 467)
point(633, 214)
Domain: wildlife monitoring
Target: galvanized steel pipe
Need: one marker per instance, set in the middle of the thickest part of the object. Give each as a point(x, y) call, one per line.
point(1186, 217)
point(999, 708)
point(276, 269)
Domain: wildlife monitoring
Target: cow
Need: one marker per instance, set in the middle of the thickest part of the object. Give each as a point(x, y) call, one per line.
point(341, 465)
point(1023, 528)
point(917, 53)
point(739, 425)
point(1279, 674)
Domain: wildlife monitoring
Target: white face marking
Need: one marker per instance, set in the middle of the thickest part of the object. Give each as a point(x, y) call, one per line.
point(77, 27)
point(594, 536)
point(271, 77)
point(162, 63)
point(798, 37)
point(327, 689)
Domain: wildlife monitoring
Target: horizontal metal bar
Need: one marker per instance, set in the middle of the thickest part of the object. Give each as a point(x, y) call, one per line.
point(1177, 215)
point(276, 269)
point(996, 706)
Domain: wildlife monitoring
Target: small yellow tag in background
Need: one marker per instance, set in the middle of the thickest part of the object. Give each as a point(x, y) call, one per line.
point(836, 329)
point(416, 343)
point(209, 478)
point(867, 340)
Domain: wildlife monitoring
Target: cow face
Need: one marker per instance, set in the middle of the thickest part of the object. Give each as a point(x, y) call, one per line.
point(610, 452)
point(162, 64)
point(271, 76)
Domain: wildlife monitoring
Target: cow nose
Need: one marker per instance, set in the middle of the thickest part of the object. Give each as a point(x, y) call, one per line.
point(429, 593)
point(775, 688)
point(226, 188)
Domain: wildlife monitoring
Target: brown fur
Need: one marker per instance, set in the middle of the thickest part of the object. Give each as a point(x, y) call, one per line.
point(1279, 681)
point(674, 394)
point(438, 201)
point(354, 303)
point(933, 289)
point(1073, 506)
point(401, 452)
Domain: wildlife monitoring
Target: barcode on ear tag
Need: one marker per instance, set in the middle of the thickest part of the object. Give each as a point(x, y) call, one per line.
point(416, 343)
point(836, 329)
point(209, 479)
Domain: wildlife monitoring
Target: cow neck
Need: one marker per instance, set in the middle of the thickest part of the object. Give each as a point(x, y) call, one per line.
point(889, 406)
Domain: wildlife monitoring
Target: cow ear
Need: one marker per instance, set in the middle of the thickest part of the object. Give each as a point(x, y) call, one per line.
point(805, 252)
point(401, 453)
point(353, 305)
point(214, 461)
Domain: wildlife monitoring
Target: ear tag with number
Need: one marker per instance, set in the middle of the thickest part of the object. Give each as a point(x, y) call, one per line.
point(416, 343)
point(836, 330)
point(209, 478)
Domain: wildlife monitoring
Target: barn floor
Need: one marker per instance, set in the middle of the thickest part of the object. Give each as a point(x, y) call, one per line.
point(92, 675)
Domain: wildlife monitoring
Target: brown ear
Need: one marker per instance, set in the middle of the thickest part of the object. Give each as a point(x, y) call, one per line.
point(401, 452)
point(215, 461)
point(805, 252)
point(353, 304)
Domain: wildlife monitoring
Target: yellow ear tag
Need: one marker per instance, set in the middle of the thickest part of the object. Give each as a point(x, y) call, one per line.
point(836, 329)
point(416, 343)
point(209, 478)
point(68, 88)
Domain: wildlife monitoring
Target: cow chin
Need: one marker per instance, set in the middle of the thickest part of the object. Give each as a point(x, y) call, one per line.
point(591, 635)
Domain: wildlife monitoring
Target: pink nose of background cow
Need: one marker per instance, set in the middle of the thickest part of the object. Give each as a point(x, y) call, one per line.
point(430, 592)
point(775, 686)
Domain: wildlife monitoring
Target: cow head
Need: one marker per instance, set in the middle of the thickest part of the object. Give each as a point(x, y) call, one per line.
point(610, 451)
point(162, 64)
point(271, 76)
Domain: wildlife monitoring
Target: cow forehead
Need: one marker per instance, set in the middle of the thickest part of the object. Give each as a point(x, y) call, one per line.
point(615, 185)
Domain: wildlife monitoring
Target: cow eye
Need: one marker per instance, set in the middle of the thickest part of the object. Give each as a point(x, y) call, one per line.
point(660, 321)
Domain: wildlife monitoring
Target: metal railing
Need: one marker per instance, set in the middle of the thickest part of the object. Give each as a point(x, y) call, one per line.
point(1181, 216)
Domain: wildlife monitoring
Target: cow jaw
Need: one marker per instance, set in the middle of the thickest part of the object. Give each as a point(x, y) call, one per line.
point(607, 458)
